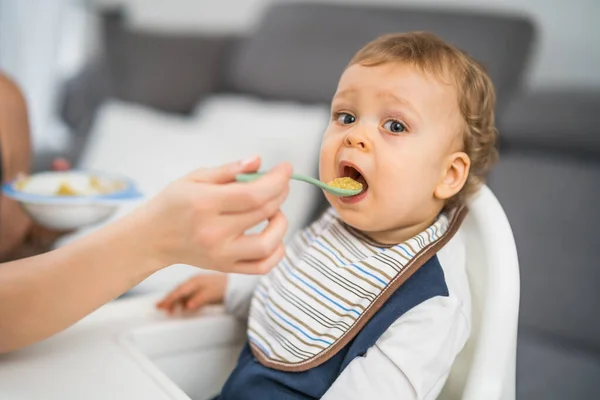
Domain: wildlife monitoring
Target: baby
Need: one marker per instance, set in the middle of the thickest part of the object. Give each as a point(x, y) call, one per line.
point(372, 300)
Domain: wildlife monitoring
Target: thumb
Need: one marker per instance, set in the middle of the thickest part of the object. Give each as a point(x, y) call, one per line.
point(225, 173)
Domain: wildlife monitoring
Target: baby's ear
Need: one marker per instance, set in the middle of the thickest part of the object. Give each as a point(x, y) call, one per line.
point(454, 176)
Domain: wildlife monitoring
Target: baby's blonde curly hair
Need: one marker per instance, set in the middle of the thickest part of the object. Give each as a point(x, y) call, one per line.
point(476, 95)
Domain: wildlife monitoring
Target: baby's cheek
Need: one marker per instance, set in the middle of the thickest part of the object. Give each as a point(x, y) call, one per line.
point(324, 162)
point(404, 190)
point(421, 171)
point(327, 154)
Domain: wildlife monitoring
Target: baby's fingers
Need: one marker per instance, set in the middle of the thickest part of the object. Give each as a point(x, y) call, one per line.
point(196, 301)
point(179, 295)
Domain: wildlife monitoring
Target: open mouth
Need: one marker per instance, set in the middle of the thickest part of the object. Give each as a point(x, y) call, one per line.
point(349, 170)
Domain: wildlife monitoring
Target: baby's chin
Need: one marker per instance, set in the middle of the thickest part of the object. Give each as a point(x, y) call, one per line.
point(370, 222)
point(358, 219)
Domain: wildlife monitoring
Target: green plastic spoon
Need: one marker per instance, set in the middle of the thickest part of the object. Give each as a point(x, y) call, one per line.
point(299, 177)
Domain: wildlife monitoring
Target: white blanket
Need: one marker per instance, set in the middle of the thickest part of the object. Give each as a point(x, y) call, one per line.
point(154, 148)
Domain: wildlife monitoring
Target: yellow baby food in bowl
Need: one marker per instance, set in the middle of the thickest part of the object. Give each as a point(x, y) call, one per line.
point(66, 190)
point(71, 199)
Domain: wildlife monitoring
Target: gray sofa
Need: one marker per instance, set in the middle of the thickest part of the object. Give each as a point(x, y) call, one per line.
point(547, 178)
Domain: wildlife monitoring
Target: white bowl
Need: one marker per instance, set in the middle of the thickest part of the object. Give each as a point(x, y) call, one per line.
point(94, 198)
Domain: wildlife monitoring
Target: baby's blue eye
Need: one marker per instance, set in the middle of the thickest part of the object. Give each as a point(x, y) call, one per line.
point(395, 126)
point(345, 118)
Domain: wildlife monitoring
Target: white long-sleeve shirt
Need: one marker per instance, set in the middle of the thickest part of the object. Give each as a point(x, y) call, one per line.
point(412, 359)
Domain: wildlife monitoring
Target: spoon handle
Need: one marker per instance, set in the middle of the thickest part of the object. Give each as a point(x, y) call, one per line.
point(299, 177)
point(308, 179)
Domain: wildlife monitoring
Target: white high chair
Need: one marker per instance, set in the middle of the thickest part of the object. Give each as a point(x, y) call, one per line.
point(485, 369)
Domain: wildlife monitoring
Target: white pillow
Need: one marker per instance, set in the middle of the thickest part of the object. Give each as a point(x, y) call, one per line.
point(155, 148)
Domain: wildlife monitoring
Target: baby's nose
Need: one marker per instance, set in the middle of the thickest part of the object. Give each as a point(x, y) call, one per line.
point(357, 139)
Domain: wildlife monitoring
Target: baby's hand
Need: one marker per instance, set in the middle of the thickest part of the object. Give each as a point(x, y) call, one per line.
point(195, 293)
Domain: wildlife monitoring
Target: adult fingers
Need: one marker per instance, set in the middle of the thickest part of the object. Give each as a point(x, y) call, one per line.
point(225, 173)
point(60, 164)
point(260, 266)
point(245, 196)
point(261, 245)
point(241, 222)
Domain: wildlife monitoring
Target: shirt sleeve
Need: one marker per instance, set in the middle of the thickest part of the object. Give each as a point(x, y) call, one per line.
point(238, 294)
point(412, 359)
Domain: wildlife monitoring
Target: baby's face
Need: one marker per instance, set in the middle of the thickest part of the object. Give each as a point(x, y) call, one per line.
point(394, 129)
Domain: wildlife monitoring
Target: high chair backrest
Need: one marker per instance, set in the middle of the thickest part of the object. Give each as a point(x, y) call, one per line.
point(485, 369)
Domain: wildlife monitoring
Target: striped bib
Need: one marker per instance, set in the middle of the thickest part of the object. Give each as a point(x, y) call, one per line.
point(330, 283)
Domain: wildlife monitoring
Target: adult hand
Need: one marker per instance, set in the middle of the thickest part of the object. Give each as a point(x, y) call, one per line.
point(202, 218)
point(60, 164)
point(198, 220)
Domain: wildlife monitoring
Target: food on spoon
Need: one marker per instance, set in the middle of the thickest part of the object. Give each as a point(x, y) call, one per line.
point(346, 183)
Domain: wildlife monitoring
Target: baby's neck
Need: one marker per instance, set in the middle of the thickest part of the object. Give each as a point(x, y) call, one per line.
point(400, 235)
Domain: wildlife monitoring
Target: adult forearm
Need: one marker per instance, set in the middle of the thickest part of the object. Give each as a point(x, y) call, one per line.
point(42, 295)
point(198, 220)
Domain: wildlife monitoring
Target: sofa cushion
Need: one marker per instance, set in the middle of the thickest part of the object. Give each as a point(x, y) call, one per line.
point(166, 71)
point(299, 50)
